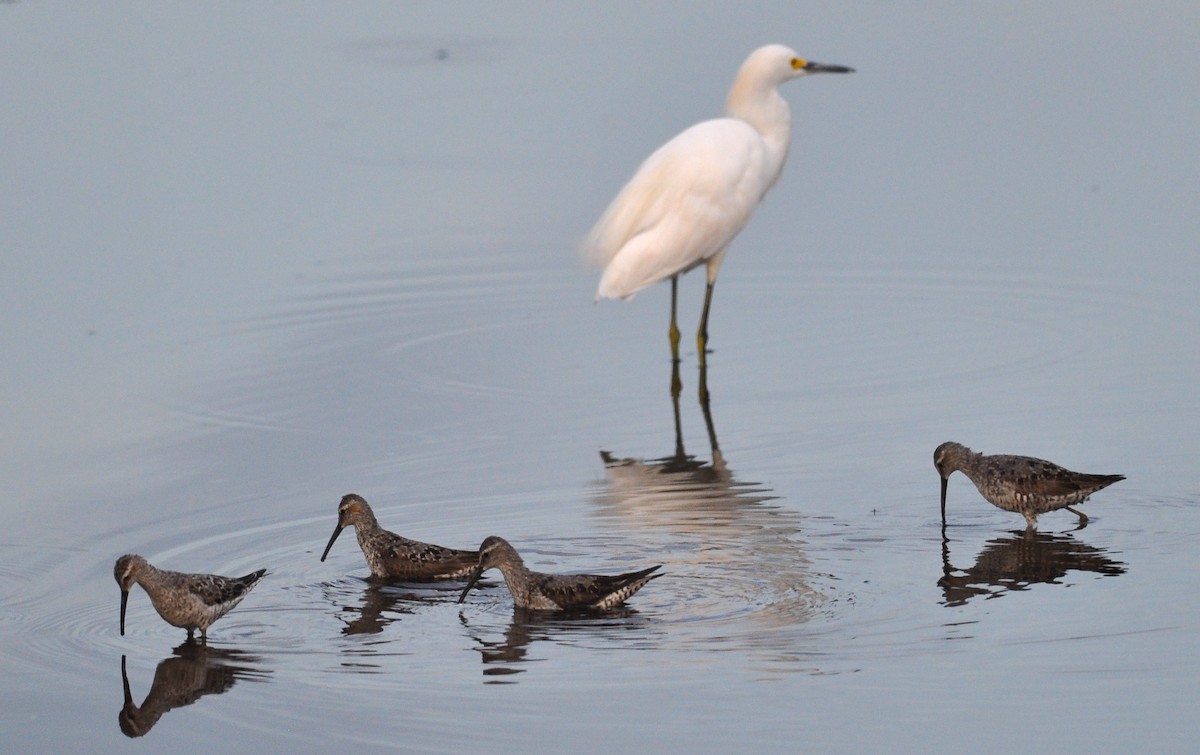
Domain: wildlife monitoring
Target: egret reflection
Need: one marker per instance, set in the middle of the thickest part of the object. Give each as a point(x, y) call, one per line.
point(195, 670)
point(1014, 562)
point(739, 553)
point(680, 491)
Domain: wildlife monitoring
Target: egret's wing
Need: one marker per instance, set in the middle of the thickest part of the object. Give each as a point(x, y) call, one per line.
point(684, 205)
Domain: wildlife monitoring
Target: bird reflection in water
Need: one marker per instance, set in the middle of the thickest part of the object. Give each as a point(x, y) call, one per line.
point(679, 490)
point(195, 670)
point(508, 656)
point(741, 552)
point(379, 604)
point(1018, 560)
point(384, 602)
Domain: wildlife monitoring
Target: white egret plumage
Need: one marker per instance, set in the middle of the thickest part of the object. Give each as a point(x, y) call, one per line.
point(692, 196)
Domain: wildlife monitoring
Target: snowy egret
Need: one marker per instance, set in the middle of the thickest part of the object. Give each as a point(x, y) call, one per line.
point(691, 197)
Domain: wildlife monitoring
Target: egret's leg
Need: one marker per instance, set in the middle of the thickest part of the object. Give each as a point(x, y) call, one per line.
point(702, 334)
point(676, 386)
point(676, 389)
point(1082, 516)
point(673, 334)
point(708, 420)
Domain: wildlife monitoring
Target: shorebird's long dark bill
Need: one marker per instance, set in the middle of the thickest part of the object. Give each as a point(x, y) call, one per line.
point(124, 600)
point(812, 67)
point(945, 482)
point(337, 531)
point(470, 583)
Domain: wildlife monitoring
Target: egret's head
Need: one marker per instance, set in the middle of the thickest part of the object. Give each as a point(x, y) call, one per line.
point(781, 63)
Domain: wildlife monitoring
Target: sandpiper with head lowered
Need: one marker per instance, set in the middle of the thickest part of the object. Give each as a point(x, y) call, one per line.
point(555, 592)
point(393, 557)
point(1021, 484)
point(188, 601)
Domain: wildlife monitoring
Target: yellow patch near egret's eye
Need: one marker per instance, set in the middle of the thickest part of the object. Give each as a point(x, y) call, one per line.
point(798, 63)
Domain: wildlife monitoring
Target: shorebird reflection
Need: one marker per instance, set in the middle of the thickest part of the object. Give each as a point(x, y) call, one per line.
point(1018, 560)
point(379, 604)
point(195, 670)
point(382, 603)
point(509, 655)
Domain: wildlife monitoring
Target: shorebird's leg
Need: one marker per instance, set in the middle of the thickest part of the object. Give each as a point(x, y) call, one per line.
point(1082, 516)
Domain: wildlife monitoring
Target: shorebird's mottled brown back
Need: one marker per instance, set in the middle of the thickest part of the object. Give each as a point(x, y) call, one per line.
point(597, 591)
point(215, 591)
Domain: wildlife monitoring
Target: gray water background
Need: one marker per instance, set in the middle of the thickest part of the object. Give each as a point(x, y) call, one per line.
point(256, 256)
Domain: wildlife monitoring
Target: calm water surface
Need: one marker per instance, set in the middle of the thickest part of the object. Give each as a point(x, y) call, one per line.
point(252, 263)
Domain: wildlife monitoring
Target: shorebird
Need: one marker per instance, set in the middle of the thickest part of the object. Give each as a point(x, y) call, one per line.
point(188, 601)
point(694, 194)
point(552, 592)
point(1021, 484)
point(393, 557)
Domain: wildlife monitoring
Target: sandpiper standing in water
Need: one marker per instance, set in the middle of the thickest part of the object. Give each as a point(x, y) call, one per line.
point(1021, 484)
point(552, 592)
point(188, 601)
point(393, 557)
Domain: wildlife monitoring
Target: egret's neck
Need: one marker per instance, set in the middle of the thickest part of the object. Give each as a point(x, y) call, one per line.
point(765, 109)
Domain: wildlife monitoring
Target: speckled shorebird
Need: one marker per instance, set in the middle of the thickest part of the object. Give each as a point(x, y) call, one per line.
point(393, 557)
point(553, 592)
point(188, 601)
point(1021, 484)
